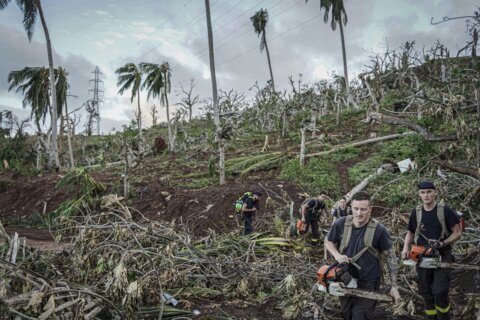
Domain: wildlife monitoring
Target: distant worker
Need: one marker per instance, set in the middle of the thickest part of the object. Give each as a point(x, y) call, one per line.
point(310, 211)
point(434, 225)
point(249, 209)
point(341, 209)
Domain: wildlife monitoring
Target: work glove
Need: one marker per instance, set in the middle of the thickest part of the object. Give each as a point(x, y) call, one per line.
point(438, 244)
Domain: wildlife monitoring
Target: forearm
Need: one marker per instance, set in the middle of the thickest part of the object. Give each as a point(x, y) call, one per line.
point(408, 240)
point(332, 248)
point(456, 234)
point(392, 266)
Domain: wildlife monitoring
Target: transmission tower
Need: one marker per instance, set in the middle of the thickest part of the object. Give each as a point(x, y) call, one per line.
point(95, 101)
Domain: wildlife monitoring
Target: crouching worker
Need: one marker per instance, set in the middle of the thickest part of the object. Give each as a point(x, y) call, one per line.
point(249, 210)
point(310, 211)
point(360, 239)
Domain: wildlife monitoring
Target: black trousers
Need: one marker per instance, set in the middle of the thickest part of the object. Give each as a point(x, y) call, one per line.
point(248, 222)
point(355, 308)
point(433, 286)
point(312, 221)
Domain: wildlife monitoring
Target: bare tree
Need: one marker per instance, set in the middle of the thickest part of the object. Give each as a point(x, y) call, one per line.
point(154, 114)
point(188, 100)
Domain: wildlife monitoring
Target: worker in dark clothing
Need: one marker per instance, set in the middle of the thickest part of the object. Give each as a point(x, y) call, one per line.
point(433, 224)
point(249, 210)
point(341, 209)
point(310, 212)
point(360, 239)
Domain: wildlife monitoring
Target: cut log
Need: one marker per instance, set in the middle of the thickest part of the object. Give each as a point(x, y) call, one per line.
point(361, 143)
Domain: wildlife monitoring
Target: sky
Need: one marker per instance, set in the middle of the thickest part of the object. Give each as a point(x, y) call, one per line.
point(111, 33)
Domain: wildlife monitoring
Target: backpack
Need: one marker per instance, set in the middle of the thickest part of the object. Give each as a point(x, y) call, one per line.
point(441, 219)
point(307, 201)
point(239, 202)
point(367, 238)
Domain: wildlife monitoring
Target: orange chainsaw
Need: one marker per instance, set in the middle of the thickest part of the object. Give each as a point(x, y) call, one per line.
point(337, 280)
point(424, 257)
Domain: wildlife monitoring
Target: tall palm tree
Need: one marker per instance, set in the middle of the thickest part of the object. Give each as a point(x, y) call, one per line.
point(167, 75)
point(31, 9)
point(259, 21)
point(130, 76)
point(34, 84)
point(216, 107)
point(336, 10)
point(62, 94)
point(157, 83)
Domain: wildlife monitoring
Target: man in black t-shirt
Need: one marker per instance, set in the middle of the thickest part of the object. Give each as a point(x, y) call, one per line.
point(355, 308)
point(249, 209)
point(433, 284)
point(310, 212)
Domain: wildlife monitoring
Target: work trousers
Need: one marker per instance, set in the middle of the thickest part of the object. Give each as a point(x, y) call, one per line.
point(312, 221)
point(433, 286)
point(248, 222)
point(355, 308)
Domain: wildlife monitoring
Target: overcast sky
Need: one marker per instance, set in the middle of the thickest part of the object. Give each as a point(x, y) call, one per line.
point(110, 33)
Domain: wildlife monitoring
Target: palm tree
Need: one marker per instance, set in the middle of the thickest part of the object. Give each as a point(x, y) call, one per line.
point(157, 83)
point(30, 10)
point(130, 76)
point(62, 89)
point(259, 21)
point(216, 107)
point(34, 84)
point(336, 10)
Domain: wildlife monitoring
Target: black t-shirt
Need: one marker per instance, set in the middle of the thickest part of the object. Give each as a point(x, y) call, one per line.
point(431, 227)
point(370, 265)
point(251, 203)
point(313, 208)
point(339, 212)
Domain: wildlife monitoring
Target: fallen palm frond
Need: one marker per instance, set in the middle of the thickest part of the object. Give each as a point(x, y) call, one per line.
point(247, 164)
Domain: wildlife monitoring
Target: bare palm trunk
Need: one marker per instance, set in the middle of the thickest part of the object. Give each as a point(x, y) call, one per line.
point(216, 108)
point(69, 137)
point(345, 70)
point(139, 112)
point(269, 61)
point(169, 125)
point(53, 155)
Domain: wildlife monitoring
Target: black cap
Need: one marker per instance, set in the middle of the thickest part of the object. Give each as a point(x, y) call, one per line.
point(426, 185)
point(256, 193)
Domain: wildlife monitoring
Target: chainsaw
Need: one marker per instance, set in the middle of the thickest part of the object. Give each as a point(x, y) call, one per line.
point(337, 280)
point(424, 257)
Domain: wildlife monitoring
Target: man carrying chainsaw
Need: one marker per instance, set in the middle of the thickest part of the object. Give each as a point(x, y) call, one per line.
point(359, 241)
point(310, 211)
point(435, 227)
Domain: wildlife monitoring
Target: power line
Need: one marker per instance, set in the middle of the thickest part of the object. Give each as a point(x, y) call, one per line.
point(198, 56)
point(270, 41)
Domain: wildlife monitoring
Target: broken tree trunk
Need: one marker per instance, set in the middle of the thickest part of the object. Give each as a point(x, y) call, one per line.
point(359, 187)
point(302, 147)
point(360, 143)
point(413, 126)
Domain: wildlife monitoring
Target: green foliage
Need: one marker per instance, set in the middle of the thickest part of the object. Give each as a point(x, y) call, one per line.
point(18, 152)
point(79, 178)
point(200, 182)
point(342, 155)
point(316, 175)
point(248, 164)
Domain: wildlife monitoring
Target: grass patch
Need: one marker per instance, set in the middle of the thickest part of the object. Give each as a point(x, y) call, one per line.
point(317, 175)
